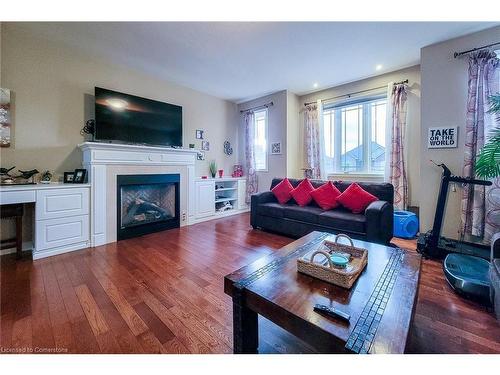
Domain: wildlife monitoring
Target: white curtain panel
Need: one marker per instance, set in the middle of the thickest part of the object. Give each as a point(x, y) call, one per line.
point(395, 165)
point(312, 138)
point(252, 185)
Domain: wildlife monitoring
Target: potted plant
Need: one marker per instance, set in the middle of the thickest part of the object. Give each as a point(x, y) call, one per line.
point(488, 161)
point(213, 168)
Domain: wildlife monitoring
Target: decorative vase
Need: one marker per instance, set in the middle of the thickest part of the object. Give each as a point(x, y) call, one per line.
point(221, 172)
point(212, 174)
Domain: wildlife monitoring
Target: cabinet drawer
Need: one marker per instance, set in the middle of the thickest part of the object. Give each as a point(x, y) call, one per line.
point(55, 203)
point(20, 196)
point(64, 231)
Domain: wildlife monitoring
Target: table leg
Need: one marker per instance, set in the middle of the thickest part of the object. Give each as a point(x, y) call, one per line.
point(19, 237)
point(245, 328)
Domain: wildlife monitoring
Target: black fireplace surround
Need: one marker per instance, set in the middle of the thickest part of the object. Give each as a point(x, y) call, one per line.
point(146, 203)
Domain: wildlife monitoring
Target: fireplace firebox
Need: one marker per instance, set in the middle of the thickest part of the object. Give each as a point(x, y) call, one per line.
point(147, 203)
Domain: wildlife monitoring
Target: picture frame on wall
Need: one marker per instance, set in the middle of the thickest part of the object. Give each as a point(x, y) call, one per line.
point(205, 145)
point(200, 155)
point(276, 148)
point(199, 134)
point(79, 176)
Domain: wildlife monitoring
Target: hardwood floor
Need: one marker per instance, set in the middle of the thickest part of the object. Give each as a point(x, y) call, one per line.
point(163, 293)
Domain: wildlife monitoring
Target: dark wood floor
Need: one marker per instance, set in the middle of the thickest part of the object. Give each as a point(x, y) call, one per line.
point(163, 293)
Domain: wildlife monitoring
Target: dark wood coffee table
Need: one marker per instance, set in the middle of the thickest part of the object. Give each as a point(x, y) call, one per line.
point(381, 303)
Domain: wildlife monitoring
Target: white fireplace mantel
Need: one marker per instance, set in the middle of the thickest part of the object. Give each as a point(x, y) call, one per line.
point(104, 161)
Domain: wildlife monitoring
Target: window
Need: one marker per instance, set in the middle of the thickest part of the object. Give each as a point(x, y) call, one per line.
point(354, 136)
point(260, 140)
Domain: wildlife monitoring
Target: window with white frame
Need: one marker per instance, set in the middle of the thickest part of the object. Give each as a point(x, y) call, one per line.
point(354, 136)
point(260, 139)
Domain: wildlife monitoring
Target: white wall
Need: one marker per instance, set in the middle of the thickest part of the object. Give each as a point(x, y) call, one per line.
point(444, 99)
point(413, 126)
point(53, 86)
point(277, 121)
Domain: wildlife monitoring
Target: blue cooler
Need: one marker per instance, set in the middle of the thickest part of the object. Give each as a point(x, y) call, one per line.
point(405, 224)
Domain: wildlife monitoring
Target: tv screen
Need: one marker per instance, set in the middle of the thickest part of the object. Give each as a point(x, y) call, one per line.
point(132, 119)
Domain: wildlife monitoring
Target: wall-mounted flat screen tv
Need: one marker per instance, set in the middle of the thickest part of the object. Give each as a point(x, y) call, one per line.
point(131, 119)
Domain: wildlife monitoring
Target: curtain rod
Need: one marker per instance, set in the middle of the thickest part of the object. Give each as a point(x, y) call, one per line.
point(267, 105)
point(458, 54)
point(358, 92)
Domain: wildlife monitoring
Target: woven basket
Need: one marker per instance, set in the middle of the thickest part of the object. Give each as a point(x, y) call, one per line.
point(326, 270)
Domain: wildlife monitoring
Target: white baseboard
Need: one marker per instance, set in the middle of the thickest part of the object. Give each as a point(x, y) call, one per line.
point(27, 246)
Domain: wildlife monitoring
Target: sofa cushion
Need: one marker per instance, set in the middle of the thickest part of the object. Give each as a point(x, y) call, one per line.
point(326, 196)
point(271, 209)
point(307, 214)
point(302, 193)
point(343, 220)
point(355, 198)
point(282, 191)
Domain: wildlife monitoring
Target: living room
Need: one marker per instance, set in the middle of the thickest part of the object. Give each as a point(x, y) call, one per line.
point(250, 187)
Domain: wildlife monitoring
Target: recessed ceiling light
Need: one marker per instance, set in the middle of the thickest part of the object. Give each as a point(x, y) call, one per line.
point(315, 84)
point(378, 67)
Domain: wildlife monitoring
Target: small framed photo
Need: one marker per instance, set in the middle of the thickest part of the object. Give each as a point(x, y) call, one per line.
point(200, 155)
point(68, 177)
point(79, 176)
point(205, 145)
point(199, 134)
point(276, 148)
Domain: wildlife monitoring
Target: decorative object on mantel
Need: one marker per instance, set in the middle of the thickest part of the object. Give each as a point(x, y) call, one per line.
point(68, 177)
point(213, 168)
point(205, 145)
point(191, 145)
point(88, 128)
point(338, 264)
point(228, 150)
point(199, 134)
point(79, 176)
point(276, 148)
point(308, 173)
point(5, 177)
point(221, 173)
point(237, 171)
point(5, 124)
point(200, 155)
point(46, 177)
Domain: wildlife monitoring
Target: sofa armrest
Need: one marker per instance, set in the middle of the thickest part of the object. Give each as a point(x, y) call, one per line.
point(379, 222)
point(495, 246)
point(255, 200)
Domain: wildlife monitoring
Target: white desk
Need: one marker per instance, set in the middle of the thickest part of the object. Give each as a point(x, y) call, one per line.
point(61, 221)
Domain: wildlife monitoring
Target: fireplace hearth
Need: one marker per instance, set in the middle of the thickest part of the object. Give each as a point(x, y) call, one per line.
point(147, 203)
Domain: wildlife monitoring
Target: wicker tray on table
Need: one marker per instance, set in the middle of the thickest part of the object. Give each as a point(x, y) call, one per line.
point(317, 262)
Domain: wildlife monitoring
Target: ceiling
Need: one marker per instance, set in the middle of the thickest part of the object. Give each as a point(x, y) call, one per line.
point(240, 61)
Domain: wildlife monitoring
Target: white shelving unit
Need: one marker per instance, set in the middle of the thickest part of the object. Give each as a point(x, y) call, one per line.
point(217, 197)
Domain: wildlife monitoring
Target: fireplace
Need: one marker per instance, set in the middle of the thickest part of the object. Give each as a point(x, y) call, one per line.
point(146, 203)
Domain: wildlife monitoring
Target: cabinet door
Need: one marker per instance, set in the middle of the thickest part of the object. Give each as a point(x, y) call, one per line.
point(54, 233)
point(205, 198)
point(55, 203)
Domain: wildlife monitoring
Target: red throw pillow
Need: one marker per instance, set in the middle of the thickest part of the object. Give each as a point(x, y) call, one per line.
point(326, 196)
point(282, 191)
point(302, 193)
point(355, 198)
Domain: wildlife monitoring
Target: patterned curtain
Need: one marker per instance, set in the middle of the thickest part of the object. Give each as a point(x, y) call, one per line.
point(480, 206)
point(396, 168)
point(312, 140)
point(252, 185)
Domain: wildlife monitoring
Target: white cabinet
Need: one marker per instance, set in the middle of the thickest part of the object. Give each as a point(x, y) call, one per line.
point(205, 198)
point(64, 231)
point(219, 197)
point(55, 203)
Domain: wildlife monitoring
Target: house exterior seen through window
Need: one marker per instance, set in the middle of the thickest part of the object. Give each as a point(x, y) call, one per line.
point(260, 140)
point(354, 136)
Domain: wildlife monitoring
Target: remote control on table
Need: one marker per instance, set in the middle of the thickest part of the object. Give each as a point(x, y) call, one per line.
point(332, 312)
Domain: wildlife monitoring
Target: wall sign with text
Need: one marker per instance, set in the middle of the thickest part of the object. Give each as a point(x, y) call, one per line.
point(443, 137)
